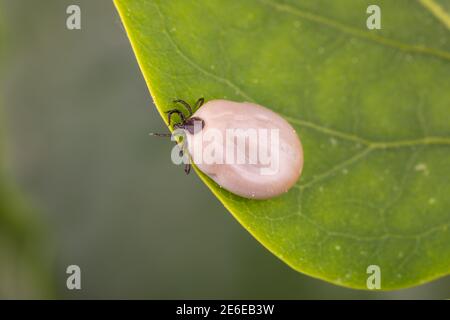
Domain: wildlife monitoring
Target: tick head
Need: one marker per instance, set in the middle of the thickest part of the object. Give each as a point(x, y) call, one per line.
point(193, 125)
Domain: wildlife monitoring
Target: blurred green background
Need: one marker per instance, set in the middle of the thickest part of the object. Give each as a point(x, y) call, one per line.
point(98, 192)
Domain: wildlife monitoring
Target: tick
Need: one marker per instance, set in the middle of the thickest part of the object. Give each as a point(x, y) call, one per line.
point(244, 147)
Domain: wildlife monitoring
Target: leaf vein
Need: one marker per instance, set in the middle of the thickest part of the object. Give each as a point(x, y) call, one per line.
point(437, 11)
point(418, 49)
point(197, 66)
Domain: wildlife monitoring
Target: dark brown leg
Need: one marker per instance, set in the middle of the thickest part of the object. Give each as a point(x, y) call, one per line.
point(199, 103)
point(187, 168)
point(175, 111)
point(160, 134)
point(185, 104)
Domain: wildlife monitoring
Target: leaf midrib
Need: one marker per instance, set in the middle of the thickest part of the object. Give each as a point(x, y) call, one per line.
point(426, 140)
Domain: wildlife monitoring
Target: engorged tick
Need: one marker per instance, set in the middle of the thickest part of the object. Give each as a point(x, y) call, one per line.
point(250, 177)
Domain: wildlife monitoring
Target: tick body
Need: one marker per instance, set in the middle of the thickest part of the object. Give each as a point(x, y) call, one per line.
point(246, 148)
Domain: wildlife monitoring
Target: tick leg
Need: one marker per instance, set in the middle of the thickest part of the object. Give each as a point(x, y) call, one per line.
point(187, 168)
point(160, 134)
point(185, 104)
point(199, 103)
point(175, 111)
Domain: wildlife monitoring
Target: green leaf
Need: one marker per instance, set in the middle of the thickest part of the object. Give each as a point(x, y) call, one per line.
point(371, 108)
